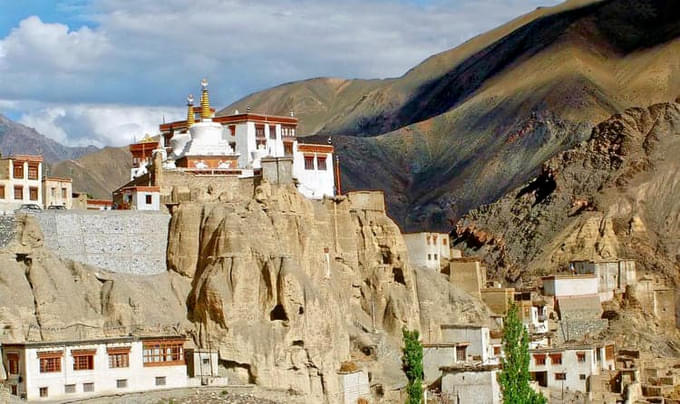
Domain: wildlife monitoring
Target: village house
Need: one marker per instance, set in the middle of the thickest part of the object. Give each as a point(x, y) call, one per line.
point(533, 311)
point(137, 198)
point(478, 340)
point(70, 369)
point(20, 181)
point(468, 273)
point(226, 154)
point(426, 250)
point(613, 275)
point(570, 367)
point(57, 192)
point(471, 383)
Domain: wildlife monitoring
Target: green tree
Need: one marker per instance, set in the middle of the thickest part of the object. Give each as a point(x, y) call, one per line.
point(412, 364)
point(514, 378)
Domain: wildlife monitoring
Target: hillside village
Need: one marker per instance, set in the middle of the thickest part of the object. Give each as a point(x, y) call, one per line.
point(205, 160)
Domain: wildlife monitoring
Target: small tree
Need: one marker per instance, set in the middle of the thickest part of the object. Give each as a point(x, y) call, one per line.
point(412, 364)
point(514, 378)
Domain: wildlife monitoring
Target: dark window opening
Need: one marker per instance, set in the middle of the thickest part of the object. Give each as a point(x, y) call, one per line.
point(398, 274)
point(278, 314)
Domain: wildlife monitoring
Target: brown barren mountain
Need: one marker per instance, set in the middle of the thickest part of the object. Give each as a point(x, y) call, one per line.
point(470, 124)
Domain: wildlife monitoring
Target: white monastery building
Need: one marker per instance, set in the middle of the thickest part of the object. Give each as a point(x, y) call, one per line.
point(20, 181)
point(613, 275)
point(426, 250)
point(39, 371)
point(233, 145)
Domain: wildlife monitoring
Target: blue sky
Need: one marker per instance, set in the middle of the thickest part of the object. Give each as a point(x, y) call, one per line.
point(103, 71)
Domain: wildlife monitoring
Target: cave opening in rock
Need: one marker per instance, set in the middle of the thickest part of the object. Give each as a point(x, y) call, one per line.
point(386, 256)
point(301, 310)
point(278, 314)
point(299, 342)
point(398, 274)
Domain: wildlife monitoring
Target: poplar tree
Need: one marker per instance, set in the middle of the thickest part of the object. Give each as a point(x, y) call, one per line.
point(412, 364)
point(514, 377)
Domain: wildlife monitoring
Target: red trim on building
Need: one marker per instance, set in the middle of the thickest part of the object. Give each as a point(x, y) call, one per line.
point(230, 119)
point(315, 148)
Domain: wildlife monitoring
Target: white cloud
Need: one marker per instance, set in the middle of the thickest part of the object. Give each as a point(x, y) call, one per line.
point(148, 52)
point(99, 125)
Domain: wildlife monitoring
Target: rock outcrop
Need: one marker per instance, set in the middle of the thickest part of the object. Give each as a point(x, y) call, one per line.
point(284, 288)
point(614, 196)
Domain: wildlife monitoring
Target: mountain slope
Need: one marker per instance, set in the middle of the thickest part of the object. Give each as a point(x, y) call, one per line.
point(97, 173)
point(470, 124)
point(615, 196)
point(16, 138)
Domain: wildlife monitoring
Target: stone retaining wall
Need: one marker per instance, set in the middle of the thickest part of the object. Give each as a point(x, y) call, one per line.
point(7, 229)
point(133, 242)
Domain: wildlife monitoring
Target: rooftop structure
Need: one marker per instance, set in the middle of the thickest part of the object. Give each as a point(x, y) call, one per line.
point(613, 275)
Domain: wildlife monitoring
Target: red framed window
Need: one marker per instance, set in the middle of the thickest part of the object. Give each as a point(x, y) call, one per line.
point(19, 192)
point(309, 162)
point(581, 356)
point(2, 192)
point(321, 162)
point(33, 193)
point(32, 172)
point(556, 359)
point(163, 353)
point(83, 362)
point(50, 364)
point(13, 363)
point(539, 360)
point(18, 170)
point(272, 132)
point(560, 376)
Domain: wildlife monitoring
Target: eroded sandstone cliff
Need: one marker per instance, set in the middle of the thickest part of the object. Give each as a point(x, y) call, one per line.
point(286, 289)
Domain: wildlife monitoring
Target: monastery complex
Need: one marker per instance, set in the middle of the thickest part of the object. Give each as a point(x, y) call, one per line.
point(225, 152)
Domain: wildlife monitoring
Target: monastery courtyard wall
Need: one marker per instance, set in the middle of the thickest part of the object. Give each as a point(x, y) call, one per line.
point(133, 242)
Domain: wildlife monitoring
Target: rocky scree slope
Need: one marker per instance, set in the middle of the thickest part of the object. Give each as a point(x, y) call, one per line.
point(250, 278)
point(470, 124)
point(616, 195)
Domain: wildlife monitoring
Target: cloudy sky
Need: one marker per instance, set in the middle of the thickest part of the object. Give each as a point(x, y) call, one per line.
point(104, 71)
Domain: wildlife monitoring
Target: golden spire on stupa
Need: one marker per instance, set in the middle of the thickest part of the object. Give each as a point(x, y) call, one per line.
point(190, 111)
point(205, 101)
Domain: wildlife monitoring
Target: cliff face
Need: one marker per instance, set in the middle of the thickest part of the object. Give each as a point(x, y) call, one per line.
point(285, 288)
point(613, 196)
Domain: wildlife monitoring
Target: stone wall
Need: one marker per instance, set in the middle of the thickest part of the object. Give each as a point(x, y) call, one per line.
point(132, 242)
point(7, 229)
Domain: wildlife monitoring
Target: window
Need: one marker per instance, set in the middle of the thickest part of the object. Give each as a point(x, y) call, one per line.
point(119, 360)
point(88, 387)
point(13, 363)
point(148, 199)
point(435, 256)
point(53, 192)
point(259, 130)
point(69, 388)
point(461, 353)
point(18, 170)
point(32, 172)
point(428, 240)
point(18, 192)
point(83, 360)
point(43, 392)
point(232, 130)
point(163, 353)
point(287, 131)
point(582, 377)
point(309, 162)
point(287, 148)
point(15, 390)
point(2, 192)
point(496, 351)
point(321, 162)
point(272, 132)
point(443, 240)
point(160, 381)
point(556, 359)
point(434, 239)
point(581, 356)
point(50, 364)
point(33, 193)
point(206, 361)
point(429, 257)
point(539, 360)
point(560, 376)
point(121, 383)
point(63, 193)
point(609, 352)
